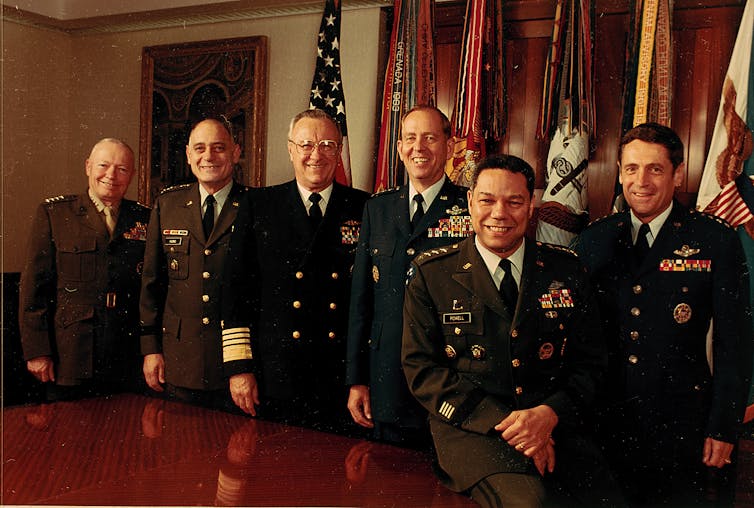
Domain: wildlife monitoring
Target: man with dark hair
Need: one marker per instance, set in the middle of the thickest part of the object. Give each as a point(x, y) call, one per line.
point(502, 346)
point(79, 305)
point(187, 245)
point(398, 224)
point(668, 279)
point(289, 279)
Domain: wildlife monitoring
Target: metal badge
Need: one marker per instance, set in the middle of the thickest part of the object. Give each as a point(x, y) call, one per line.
point(546, 350)
point(449, 318)
point(449, 351)
point(174, 264)
point(457, 306)
point(682, 313)
point(478, 352)
point(686, 251)
point(375, 273)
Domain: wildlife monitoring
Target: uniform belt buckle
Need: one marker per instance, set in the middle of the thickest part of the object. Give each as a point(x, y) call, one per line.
point(110, 300)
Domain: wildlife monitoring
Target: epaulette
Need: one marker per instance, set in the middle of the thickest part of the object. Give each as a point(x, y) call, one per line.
point(61, 198)
point(176, 187)
point(710, 216)
point(385, 191)
point(556, 247)
point(601, 219)
point(436, 253)
point(145, 207)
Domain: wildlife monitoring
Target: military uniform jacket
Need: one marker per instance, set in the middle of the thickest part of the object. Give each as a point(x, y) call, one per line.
point(386, 247)
point(301, 278)
point(78, 280)
point(181, 288)
point(657, 316)
point(470, 361)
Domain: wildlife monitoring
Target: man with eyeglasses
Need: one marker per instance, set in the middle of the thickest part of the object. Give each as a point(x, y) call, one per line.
point(288, 281)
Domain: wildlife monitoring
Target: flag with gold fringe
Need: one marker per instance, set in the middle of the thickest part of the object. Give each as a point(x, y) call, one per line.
point(327, 84)
point(409, 81)
point(568, 110)
point(727, 186)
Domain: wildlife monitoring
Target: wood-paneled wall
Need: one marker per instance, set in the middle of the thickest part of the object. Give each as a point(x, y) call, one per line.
point(703, 36)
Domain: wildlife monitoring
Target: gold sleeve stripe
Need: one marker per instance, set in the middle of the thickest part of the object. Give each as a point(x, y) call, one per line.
point(237, 344)
point(447, 410)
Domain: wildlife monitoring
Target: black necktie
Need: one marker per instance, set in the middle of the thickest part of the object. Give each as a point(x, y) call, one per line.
point(419, 213)
point(315, 212)
point(208, 221)
point(642, 245)
point(508, 288)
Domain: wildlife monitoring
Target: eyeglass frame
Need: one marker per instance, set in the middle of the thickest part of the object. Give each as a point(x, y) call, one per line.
point(300, 147)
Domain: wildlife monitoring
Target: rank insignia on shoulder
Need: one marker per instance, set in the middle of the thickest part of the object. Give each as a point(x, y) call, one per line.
point(686, 251)
point(456, 226)
point(556, 298)
point(137, 232)
point(349, 232)
point(686, 265)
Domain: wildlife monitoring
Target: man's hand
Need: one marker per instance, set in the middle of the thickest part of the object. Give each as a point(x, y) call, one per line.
point(528, 430)
point(544, 459)
point(154, 371)
point(245, 392)
point(716, 453)
point(359, 405)
point(42, 368)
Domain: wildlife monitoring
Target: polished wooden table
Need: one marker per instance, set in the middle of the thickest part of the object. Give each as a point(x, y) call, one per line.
point(139, 451)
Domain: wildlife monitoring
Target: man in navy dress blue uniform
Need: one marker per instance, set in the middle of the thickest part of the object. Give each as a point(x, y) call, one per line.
point(665, 276)
point(289, 280)
point(392, 234)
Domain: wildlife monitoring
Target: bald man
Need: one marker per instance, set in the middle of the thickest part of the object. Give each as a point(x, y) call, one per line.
point(79, 289)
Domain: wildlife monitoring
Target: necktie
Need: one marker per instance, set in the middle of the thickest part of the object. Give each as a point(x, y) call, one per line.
point(208, 221)
point(508, 287)
point(315, 212)
point(642, 245)
point(419, 213)
point(109, 220)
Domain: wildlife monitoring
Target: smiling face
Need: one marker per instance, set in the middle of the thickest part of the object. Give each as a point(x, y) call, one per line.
point(110, 168)
point(648, 178)
point(315, 171)
point(500, 206)
point(424, 148)
point(211, 154)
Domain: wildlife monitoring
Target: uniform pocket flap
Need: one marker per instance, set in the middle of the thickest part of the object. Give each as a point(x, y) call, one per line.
point(76, 244)
point(75, 313)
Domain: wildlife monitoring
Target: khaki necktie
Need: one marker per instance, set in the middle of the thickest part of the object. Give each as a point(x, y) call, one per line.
point(109, 220)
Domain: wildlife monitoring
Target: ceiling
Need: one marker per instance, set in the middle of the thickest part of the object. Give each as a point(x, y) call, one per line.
point(82, 16)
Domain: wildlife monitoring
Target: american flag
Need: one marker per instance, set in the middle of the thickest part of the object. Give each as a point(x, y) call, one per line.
point(327, 84)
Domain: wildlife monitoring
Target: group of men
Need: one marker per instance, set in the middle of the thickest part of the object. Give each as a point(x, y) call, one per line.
point(539, 376)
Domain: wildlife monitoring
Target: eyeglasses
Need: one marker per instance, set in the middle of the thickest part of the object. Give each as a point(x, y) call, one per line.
point(326, 147)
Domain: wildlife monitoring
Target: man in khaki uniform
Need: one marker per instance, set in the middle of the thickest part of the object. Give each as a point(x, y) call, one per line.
point(79, 306)
point(186, 249)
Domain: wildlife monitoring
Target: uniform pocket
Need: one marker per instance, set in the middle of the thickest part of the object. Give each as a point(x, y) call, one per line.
point(77, 258)
point(177, 251)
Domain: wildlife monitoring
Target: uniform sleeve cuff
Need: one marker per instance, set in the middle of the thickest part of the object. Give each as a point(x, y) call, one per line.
point(236, 344)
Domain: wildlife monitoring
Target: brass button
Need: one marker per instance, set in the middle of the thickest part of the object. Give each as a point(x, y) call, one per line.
point(205, 298)
point(697, 388)
point(375, 251)
point(410, 251)
point(206, 275)
point(207, 252)
point(637, 289)
point(172, 249)
point(514, 333)
point(449, 351)
point(561, 326)
point(635, 311)
point(516, 362)
point(296, 304)
point(684, 289)
point(296, 334)
point(457, 331)
point(334, 275)
point(519, 390)
point(299, 275)
point(331, 335)
point(633, 359)
point(205, 320)
point(634, 335)
point(164, 329)
point(333, 306)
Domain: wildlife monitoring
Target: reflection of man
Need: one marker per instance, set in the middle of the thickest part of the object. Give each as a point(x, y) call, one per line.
point(397, 227)
point(79, 311)
point(180, 296)
point(668, 417)
point(303, 234)
point(502, 346)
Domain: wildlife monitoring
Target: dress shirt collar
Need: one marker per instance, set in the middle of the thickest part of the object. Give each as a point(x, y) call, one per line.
point(220, 197)
point(305, 193)
point(492, 261)
point(429, 194)
point(655, 225)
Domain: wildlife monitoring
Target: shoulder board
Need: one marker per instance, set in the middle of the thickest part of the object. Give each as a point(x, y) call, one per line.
point(140, 205)
point(599, 220)
point(176, 187)
point(385, 191)
point(61, 198)
point(711, 217)
point(558, 248)
point(437, 253)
